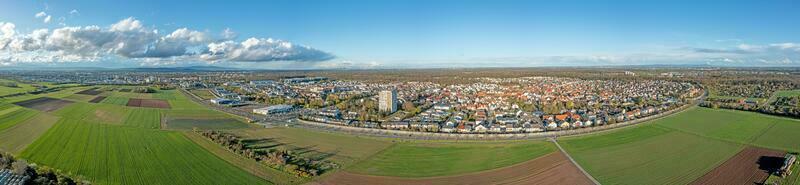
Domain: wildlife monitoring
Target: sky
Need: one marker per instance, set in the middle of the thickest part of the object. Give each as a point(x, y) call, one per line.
point(301, 34)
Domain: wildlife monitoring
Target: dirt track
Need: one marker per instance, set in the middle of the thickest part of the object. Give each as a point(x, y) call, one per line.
point(553, 168)
point(45, 104)
point(151, 103)
point(749, 166)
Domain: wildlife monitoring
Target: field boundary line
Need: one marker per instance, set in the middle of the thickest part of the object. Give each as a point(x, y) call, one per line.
point(574, 162)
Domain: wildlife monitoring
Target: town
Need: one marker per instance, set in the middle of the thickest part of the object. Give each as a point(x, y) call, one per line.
point(484, 105)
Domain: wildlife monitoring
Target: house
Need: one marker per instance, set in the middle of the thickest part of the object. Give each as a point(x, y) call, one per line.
point(552, 125)
point(448, 128)
point(577, 124)
point(495, 128)
point(480, 128)
point(564, 124)
point(395, 125)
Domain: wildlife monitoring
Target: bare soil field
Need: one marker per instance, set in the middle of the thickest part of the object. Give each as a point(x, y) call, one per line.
point(150, 103)
point(553, 168)
point(97, 99)
point(45, 104)
point(752, 165)
point(92, 91)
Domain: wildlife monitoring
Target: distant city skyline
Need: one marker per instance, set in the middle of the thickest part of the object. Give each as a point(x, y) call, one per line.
point(397, 34)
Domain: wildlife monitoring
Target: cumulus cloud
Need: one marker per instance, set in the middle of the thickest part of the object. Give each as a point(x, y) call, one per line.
point(228, 34)
point(130, 39)
point(7, 33)
point(46, 18)
point(257, 50)
point(40, 14)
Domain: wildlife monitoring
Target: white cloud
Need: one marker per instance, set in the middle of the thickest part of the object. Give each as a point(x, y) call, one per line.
point(41, 14)
point(47, 19)
point(260, 50)
point(130, 39)
point(228, 34)
point(7, 33)
point(74, 12)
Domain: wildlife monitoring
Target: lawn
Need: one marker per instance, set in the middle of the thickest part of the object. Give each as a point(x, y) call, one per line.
point(648, 154)
point(110, 154)
point(440, 159)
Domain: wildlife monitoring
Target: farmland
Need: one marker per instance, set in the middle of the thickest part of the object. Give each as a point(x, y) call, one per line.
point(103, 142)
point(16, 138)
point(695, 141)
point(115, 100)
point(440, 159)
point(648, 155)
point(553, 168)
point(106, 154)
point(14, 115)
point(738, 126)
point(21, 87)
point(343, 149)
point(99, 141)
point(203, 93)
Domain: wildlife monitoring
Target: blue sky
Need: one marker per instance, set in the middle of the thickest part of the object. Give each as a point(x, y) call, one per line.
point(398, 34)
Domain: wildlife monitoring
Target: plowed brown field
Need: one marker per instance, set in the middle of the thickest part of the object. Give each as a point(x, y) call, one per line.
point(750, 166)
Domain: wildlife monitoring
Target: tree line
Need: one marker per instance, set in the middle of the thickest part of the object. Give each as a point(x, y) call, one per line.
point(40, 175)
point(284, 160)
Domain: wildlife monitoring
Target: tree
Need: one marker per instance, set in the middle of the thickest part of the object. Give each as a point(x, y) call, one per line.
point(408, 106)
point(20, 167)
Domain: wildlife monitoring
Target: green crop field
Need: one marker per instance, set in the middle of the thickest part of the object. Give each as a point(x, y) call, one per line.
point(256, 168)
point(14, 115)
point(346, 149)
point(114, 100)
point(694, 141)
point(648, 155)
point(439, 159)
point(21, 87)
point(108, 154)
point(166, 94)
point(205, 123)
point(16, 138)
point(738, 126)
point(203, 93)
point(79, 97)
point(145, 118)
point(110, 144)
